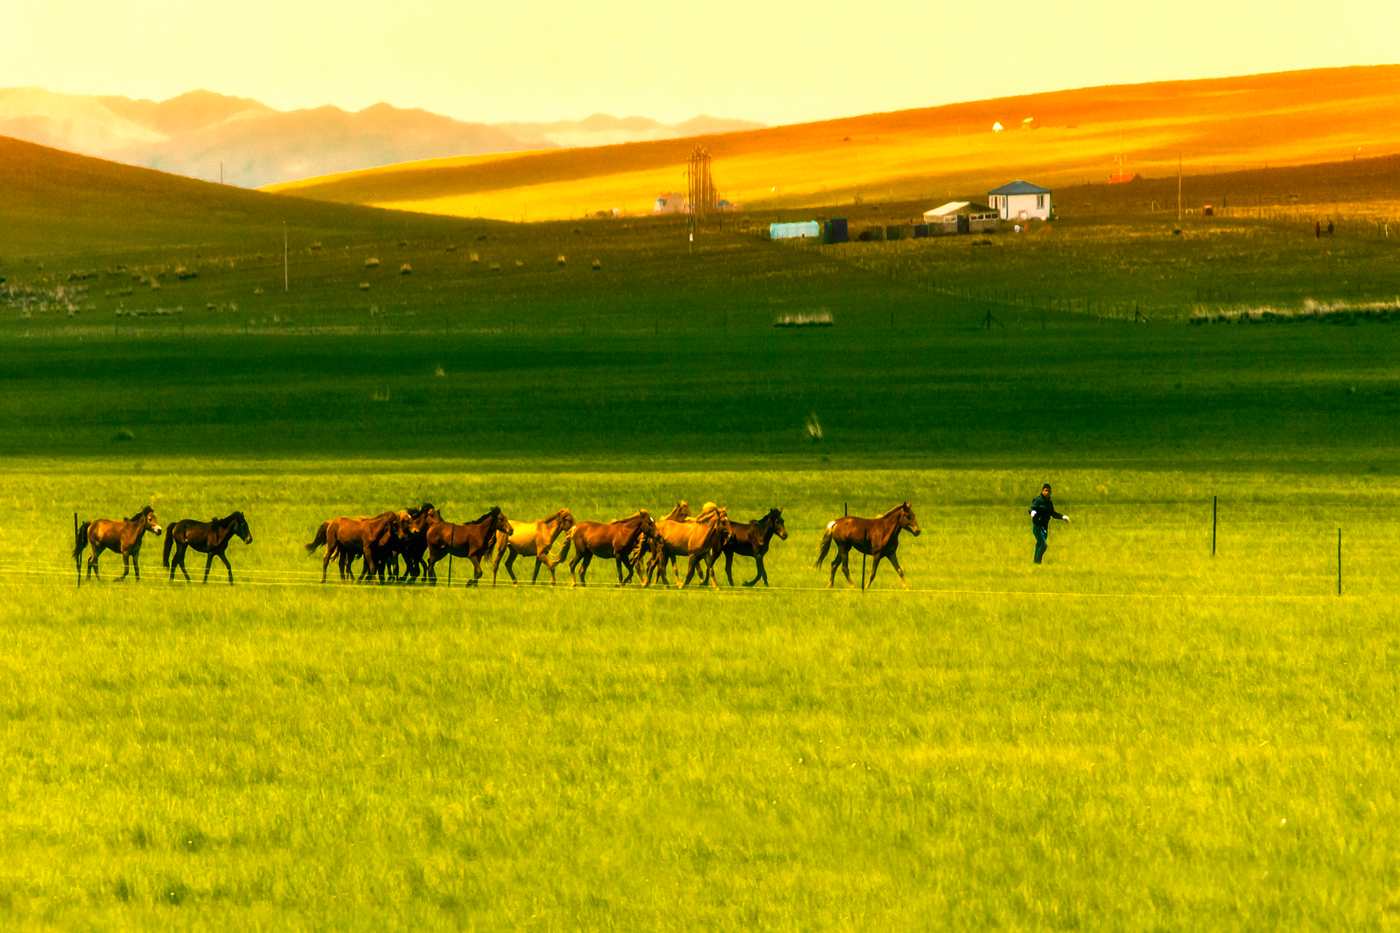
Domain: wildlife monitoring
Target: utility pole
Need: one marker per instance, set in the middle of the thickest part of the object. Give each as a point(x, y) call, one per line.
point(1178, 188)
point(286, 273)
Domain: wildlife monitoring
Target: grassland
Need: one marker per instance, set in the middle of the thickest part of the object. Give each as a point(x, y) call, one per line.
point(1212, 126)
point(1133, 734)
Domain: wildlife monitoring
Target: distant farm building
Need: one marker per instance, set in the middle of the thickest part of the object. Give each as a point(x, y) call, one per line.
point(670, 203)
point(961, 217)
point(1021, 200)
point(795, 231)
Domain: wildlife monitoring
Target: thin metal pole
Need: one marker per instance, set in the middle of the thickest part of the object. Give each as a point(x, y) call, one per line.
point(1214, 519)
point(75, 544)
point(449, 569)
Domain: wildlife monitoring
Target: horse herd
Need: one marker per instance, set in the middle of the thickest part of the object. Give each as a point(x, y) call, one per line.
point(406, 545)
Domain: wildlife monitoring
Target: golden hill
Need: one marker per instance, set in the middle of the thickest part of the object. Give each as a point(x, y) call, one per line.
point(1053, 138)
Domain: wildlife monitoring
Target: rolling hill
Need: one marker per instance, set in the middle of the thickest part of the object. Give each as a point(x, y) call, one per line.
point(56, 203)
point(1056, 138)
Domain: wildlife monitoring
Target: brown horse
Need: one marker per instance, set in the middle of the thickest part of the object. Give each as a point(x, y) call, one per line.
point(472, 540)
point(615, 540)
point(123, 537)
point(345, 538)
point(751, 539)
point(877, 536)
point(701, 540)
point(532, 539)
point(210, 538)
point(413, 545)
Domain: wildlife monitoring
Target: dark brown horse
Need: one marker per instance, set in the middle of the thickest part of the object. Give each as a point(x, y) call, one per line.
point(472, 540)
point(413, 544)
point(532, 539)
point(616, 540)
point(345, 538)
point(124, 537)
point(876, 536)
point(751, 539)
point(211, 538)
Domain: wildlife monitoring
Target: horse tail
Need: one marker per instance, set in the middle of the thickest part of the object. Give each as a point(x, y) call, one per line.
point(169, 543)
point(319, 540)
point(81, 543)
point(826, 545)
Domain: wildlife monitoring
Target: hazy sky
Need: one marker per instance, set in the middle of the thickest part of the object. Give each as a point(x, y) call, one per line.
point(772, 61)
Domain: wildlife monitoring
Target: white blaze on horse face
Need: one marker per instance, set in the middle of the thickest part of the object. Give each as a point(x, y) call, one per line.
point(831, 524)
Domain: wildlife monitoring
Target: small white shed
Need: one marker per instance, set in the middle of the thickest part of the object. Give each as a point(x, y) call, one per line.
point(1021, 200)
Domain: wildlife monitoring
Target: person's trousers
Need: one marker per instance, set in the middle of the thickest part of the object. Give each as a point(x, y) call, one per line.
point(1042, 535)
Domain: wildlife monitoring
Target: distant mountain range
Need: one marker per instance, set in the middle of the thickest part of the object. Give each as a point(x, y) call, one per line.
point(195, 133)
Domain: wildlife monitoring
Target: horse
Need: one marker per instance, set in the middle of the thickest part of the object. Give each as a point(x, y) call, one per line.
point(532, 539)
point(121, 536)
point(701, 540)
point(345, 538)
point(751, 539)
point(410, 542)
point(211, 538)
point(614, 540)
point(472, 540)
point(877, 536)
point(413, 545)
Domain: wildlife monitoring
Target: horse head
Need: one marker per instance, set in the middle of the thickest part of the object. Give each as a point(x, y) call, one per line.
point(499, 522)
point(907, 520)
point(774, 520)
point(147, 519)
point(565, 518)
point(240, 527)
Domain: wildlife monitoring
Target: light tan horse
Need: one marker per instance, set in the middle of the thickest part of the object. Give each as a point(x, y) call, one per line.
point(877, 536)
point(701, 540)
point(532, 539)
point(124, 537)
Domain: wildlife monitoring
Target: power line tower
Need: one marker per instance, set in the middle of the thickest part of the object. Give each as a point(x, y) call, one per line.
point(703, 199)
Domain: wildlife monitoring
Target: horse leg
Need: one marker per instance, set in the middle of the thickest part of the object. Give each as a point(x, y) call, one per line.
point(879, 556)
point(583, 571)
point(836, 562)
point(510, 568)
point(476, 572)
point(429, 573)
point(898, 569)
point(180, 561)
point(126, 566)
point(729, 567)
point(92, 562)
point(208, 562)
point(762, 573)
point(325, 564)
point(227, 566)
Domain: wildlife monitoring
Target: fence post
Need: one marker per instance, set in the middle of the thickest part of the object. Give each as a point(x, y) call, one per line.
point(75, 544)
point(449, 569)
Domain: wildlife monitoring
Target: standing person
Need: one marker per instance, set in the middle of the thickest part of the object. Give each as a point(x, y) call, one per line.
point(1317, 228)
point(1042, 510)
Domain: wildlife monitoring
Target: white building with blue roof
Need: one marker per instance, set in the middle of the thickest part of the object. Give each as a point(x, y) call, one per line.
point(1021, 200)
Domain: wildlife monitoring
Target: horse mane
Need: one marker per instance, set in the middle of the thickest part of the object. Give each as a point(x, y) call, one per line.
point(899, 508)
point(420, 510)
point(137, 517)
point(493, 511)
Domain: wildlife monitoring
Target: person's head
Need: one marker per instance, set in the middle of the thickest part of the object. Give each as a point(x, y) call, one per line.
point(1045, 489)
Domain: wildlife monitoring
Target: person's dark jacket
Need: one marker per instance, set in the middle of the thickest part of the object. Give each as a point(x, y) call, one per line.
point(1044, 508)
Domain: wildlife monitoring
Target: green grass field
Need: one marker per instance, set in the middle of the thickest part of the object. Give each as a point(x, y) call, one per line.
point(1135, 734)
